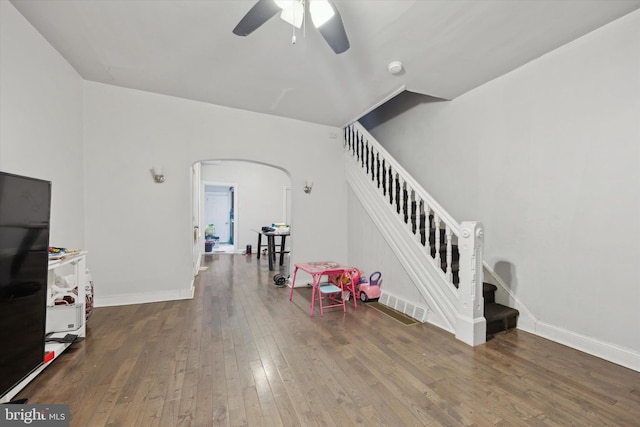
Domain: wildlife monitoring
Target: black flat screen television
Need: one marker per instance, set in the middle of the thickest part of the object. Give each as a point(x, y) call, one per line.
point(25, 205)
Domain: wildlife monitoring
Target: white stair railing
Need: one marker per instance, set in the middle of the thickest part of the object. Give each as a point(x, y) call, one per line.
point(453, 250)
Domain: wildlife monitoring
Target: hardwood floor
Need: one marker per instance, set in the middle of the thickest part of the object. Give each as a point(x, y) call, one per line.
point(241, 354)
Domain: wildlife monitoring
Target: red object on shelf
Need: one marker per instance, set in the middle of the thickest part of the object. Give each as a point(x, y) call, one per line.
point(48, 356)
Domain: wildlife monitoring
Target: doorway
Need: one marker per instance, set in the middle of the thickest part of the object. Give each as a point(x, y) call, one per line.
point(219, 215)
point(251, 195)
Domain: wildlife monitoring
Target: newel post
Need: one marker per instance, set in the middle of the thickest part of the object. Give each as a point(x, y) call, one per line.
point(471, 326)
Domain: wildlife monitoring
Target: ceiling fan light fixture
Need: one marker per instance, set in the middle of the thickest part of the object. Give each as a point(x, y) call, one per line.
point(284, 4)
point(293, 13)
point(321, 11)
point(325, 16)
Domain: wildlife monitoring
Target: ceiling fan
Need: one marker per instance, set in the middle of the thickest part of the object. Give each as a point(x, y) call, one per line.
point(324, 15)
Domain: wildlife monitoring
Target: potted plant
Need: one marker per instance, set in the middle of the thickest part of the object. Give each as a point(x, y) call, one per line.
point(209, 233)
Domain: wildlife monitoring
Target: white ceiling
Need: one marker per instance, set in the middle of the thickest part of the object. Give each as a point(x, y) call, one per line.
point(185, 48)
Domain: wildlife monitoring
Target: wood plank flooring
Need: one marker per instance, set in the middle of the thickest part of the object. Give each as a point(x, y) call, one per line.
point(241, 354)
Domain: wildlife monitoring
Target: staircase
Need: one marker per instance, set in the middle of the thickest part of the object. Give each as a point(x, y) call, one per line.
point(500, 318)
point(442, 258)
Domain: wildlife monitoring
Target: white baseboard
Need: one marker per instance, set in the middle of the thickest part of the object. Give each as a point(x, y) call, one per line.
point(143, 298)
point(529, 323)
point(607, 351)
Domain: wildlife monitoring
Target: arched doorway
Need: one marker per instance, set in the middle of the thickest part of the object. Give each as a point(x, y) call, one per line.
point(257, 194)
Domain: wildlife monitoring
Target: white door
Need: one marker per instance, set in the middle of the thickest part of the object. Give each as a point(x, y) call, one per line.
point(195, 217)
point(218, 212)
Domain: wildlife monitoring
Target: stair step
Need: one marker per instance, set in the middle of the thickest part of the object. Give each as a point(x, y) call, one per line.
point(500, 318)
point(489, 293)
point(489, 287)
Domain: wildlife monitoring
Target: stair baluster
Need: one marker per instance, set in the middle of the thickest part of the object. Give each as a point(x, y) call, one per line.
point(390, 185)
point(428, 225)
point(436, 248)
point(378, 169)
point(373, 162)
point(354, 143)
point(421, 226)
point(448, 272)
point(398, 194)
point(414, 208)
point(366, 156)
point(384, 178)
point(405, 201)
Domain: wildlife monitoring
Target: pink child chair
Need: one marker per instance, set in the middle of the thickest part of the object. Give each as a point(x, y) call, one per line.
point(349, 283)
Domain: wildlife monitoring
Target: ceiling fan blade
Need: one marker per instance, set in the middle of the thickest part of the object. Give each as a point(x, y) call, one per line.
point(260, 13)
point(334, 33)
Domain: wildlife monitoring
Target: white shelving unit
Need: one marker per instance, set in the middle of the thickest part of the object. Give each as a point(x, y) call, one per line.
point(74, 268)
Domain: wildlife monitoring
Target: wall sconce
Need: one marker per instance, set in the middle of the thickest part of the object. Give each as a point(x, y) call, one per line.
point(158, 174)
point(308, 186)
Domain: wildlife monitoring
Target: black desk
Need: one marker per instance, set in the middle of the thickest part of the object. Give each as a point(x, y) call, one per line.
point(271, 245)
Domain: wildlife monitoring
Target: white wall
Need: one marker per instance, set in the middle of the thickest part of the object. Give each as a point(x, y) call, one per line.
point(139, 233)
point(548, 158)
point(41, 122)
point(96, 143)
point(259, 192)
